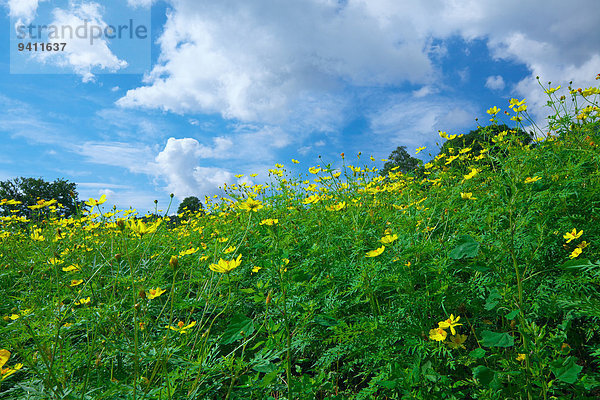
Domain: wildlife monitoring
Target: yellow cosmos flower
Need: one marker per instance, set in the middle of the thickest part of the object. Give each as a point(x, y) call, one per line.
point(570, 236)
point(154, 293)
point(457, 341)
point(337, 207)
point(531, 180)
point(419, 149)
point(83, 301)
point(438, 334)
point(521, 356)
point(142, 229)
point(76, 282)
point(250, 205)
point(493, 111)
point(575, 253)
point(6, 372)
point(181, 327)
point(450, 323)
point(467, 196)
point(387, 239)
point(552, 90)
point(269, 221)
point(376, 252)
point(91, 202)
point(228, 250)
point(256, 269)
point(474, 171)
point(224, 266)
point(295, 161)
point(188, 251)
point(314, 170)
point(41, 204)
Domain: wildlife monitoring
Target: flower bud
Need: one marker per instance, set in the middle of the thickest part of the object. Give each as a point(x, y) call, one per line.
point(173, 262)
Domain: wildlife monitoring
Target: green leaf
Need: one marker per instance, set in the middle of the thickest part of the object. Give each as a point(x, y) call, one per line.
point(325, 320)
point(239, 327)
point(466, 247)
point(387, 384)
point(511, 315)
point(477, 353)
point(268, 378)
point(576, 263)
point(492, 300)
point(566, 370)
point(484, 375)
point(493, 339)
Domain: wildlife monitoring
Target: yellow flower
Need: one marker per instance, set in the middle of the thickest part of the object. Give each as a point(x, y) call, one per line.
point(457, 341)
point(239, 175)
point(76, 282)
point(575, 253)
point(295, 161)
point(493, 111)
point(228, 250)
point(438, 334)
point(531, 180)
point(474, 171)
point(583, 245)
point(41, 204)
point(250, 205)
point(570, 236)
point(71, 268)
point(314, 170)
point(269, 222)
point(376, 252)
point(141, 228)
point(225, 267)
point(450, 323)
point(91, 202)
point(552, 90)
point(83, 301)
point(521, 356)
point(387, 239)
point(467, 196)
point(181, 327)
point(189, 251)
point(154, 293)
point(6, 372)
point(336, 207)
point(419, 149)
point(256, 269)
point(37, 235)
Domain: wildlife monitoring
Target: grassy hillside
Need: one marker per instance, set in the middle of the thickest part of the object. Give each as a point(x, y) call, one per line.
point(476, 277)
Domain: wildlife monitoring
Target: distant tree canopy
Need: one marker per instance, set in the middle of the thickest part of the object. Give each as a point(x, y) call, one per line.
point(191, 203)
point(483, 135)
point(29, 190)
point(401, 159)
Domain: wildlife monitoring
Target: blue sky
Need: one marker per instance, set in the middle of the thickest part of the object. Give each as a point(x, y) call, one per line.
point(234, 87)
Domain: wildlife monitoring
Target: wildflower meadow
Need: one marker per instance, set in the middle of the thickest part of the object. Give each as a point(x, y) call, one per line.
point(475, 276)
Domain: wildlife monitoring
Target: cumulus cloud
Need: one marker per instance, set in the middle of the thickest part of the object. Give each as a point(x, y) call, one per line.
point(23, 9)
point(82, 54)
point(178, 165)
point(255, 61)
point(263, 60)
point(495, 82)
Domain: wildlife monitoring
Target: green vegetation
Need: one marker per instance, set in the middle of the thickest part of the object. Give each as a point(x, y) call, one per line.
point(29, 191)
point(479, 280)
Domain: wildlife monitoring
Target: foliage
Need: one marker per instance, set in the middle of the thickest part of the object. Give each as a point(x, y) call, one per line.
point(400, 160)
point(29, 191)
point(191, 204)
point(478, 281)
point(482, 137)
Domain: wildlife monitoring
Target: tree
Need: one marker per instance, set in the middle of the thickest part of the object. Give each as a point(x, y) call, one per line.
point(483, 135)
point(401, 159)
point(191, 203)
point(29, 190)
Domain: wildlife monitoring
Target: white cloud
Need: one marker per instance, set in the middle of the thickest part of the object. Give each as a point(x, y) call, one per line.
point(495, 82)
point(415, 122)
point(126, 155)
point(255, 61)
point(23, 9)
point(178, 165)
point(259, 61)
point(86, 53)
